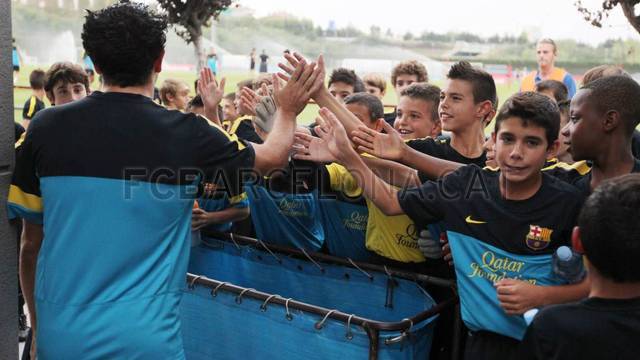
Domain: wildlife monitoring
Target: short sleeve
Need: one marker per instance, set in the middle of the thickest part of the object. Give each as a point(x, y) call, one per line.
point(246, 132)
point(25, 199)
point(239, 201)
point(570, 83)
point(222, 157)
point(428, 203)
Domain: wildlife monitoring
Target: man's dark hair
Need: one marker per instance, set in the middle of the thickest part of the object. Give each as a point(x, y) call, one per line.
point(196, 101)
point(559, 90)
point(617, 93)
point(124, 40)
point(68, 73)
point(348, 77)
point(564, 107)
point(373, 104)
point(425, 92)
point(484, 88)
point(609, 226)
point(36, 79)
point(533, 108)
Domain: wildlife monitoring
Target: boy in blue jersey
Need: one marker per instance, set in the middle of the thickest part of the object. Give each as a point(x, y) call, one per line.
point(110, 179)
point(501, 224)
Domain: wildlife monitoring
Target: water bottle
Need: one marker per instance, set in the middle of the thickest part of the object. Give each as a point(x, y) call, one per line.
point(529, 315)
point(568, 265)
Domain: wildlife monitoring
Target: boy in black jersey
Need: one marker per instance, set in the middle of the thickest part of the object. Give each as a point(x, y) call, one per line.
point(34, 103)
point(607, 324)
point(603, 116)
point(467, 103)
point(502, 225)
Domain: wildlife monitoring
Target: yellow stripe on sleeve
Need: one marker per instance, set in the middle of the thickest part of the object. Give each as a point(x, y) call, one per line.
point(238, 198)
point(28, 201)
point(32, 106)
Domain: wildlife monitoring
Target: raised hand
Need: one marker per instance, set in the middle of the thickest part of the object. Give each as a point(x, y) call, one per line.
point(311, 148)
point(387, 146)
point(211, 92)
point(331, 131)
point(293, 97)
point(248, 101)
point(294, 61)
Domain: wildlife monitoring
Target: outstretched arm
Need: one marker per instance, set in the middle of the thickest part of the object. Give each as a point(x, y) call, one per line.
point(382, 194)
point(290, 101)
point(389, 145)
point(323, 97)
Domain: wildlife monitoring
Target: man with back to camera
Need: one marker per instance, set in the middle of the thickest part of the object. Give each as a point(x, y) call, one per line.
point(115, 202)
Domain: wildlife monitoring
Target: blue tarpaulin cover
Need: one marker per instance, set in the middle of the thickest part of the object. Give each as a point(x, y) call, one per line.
point(221, 328)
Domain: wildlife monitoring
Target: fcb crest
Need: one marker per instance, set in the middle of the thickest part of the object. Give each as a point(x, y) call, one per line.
point(538, 237)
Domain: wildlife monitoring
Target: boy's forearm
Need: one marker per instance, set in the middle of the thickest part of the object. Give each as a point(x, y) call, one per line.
point(392, 172)
point(432, 166)
point(274, 152)
point(380, 193)
point(324, 99)
point(229, 215)
point(561, 294)
point(31, 241)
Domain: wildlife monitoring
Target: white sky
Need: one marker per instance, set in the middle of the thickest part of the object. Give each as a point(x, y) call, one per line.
point(558, 19)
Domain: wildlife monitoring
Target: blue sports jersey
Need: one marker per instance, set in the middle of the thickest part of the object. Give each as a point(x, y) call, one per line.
point(14, 57)
point(286, 219)
point(112, 178)
point(219, 203)
point(493, 238)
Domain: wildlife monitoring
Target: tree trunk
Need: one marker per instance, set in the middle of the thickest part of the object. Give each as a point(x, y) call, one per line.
point(628, 8)
point(200, 56)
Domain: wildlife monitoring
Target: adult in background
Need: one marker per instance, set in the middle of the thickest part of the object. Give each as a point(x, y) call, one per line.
point(252, 59)
point(118, 174)
point(546, 53)
point(263, 61)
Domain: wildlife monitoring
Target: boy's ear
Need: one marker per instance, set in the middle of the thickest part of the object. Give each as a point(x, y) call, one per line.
point(552, 150)
point(576, 241)
point(378, 125)
point(611, 120)
point(157, 64)
point(485, 109)
point(437, 129)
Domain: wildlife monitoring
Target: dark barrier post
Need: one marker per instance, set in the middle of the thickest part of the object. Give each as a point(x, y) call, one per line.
point(8, 251)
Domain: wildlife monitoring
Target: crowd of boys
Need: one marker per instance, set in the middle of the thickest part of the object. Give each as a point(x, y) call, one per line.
point(420, 187)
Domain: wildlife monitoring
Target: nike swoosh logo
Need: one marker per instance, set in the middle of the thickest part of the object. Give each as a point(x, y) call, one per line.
point(469, 220)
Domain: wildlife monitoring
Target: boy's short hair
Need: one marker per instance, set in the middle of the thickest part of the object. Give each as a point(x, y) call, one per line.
point(124, 40)
point(347, 76)
point(559, 89)
point(427, 93)
point(230, 96)
point(68, 73)
point(261, 79)
point(609, 229)
point(245, 83)
point(618, 93)
point(484, 88)
point(564, 107)
point(375, 80)
point(373, 104)
point(533, 108)
point(409, 67)
point(169, 87)
point(36, 79)
point(196, 101)
point(550, 42)
point(602, 71)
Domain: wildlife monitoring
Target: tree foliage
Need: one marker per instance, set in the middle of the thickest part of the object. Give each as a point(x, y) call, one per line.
point(595, 17)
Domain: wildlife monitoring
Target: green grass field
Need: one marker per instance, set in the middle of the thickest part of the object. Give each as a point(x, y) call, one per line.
point(307, 116)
